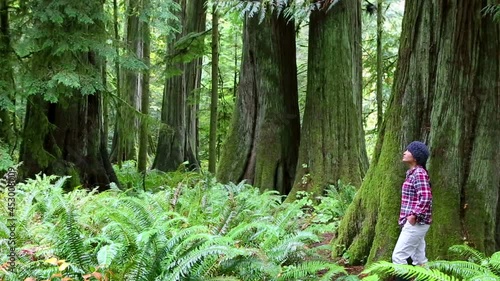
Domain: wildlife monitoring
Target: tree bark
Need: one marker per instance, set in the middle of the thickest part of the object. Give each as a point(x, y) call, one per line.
point(125, 138)
point(332, 140)
point(7, 133)
point(446, 92)
point(380, 62)
point(178, 139)
point(263, 140)
point(144, 54)
point(215, 91)
point(66, 137)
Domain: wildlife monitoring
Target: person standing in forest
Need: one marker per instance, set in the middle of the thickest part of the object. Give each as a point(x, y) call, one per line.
point(416, 207)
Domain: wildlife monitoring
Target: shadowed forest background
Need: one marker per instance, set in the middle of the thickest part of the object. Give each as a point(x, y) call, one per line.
point(246, 140)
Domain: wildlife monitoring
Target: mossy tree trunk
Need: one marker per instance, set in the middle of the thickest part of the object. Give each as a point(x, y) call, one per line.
point(178, 138)
point(446, 93)
point(332, 141)
point(125, 138)
point(65, 138)
point(7, 135)
point(63, 129)
point(263, 140)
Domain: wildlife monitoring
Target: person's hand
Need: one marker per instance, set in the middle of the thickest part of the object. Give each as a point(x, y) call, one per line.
point(412, 219)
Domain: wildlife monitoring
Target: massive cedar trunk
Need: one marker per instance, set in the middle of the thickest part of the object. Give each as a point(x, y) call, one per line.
point(332, 141)
point(6, 78)
point(263, 141)
point(64, 137)
point(178, 139)
point(446, 93)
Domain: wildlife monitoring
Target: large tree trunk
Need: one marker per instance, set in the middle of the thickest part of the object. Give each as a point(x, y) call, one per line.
point(66, 137)
point(6, 79)
point(178, 139)
point(446, 93)
point(263, 141)
point(332, 140)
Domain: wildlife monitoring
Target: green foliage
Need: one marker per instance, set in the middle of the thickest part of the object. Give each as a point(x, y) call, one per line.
point(60, 38)
point(190, 229)
point(6, 160)
point(392, 21)
point(493, 10)
point(477, 267)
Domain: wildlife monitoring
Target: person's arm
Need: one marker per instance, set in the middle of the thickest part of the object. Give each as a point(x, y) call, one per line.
point(424, 193)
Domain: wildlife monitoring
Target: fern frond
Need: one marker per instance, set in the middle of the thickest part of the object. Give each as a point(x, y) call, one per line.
point(72, 245)
point(311, 269)
point(485, 277)
point(107, 254)
point(289, 245)
point(143, 266)
point(185, 264)
point(408, 271)
point(141, 215)
point(494, 263)
point(468, 252)
point(461, 269)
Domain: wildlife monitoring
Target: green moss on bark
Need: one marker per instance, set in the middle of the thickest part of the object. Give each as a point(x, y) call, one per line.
point(332, 142)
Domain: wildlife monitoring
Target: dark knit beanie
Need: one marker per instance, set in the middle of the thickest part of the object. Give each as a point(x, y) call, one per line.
point(419, 151)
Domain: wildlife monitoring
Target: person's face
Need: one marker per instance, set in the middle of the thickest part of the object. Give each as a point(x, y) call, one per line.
point(408, 157)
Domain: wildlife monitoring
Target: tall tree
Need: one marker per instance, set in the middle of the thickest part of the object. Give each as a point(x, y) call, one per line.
point(63, 124)
point(178, 139)
point(6, 78)
point(332, 141)
point(380, 63)
point(446, 92)
point(125, 137)
point(215, 91)
point(263, 141)
point(144, 55)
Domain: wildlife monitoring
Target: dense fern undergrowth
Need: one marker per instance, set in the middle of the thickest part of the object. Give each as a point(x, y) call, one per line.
point(187, 226)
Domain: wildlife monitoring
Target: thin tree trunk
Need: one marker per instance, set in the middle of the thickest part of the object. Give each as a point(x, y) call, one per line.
point(144, 133)
point(380, 60)
point(263, 141)
point(116, 148)
point(332, 140)
point(212, 152)
point(446, 92)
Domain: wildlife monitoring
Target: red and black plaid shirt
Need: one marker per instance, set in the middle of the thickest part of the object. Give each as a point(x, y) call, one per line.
point(416, 196)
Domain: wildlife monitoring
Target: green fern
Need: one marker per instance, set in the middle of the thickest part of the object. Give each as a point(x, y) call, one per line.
point(408, 271)
point(72, 245)
point(461, 269)
point(310, 269)
point(494, 263)
point(468, 252)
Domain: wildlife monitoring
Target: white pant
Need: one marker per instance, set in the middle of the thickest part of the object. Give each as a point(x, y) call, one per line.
point(411, 243)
